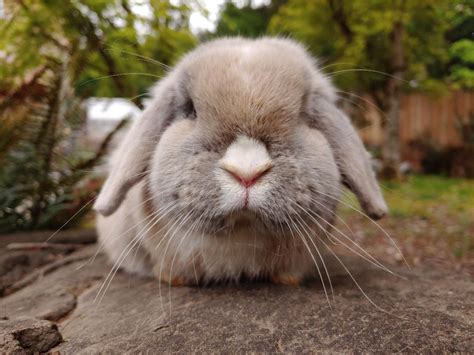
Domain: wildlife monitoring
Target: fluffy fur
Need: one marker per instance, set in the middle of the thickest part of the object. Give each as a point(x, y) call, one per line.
point(172, 204)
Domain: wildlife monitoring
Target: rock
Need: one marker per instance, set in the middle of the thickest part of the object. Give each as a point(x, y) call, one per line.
point(69, 236)
point(19, 257)
point(431, 310)
point(15, 265)
point(28, 335)
point(52, 294)
point(50, 304)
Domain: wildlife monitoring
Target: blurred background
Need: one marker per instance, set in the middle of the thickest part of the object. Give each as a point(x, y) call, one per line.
point(74, 73)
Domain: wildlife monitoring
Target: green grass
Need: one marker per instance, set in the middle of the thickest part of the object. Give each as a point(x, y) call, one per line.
point(424, 196)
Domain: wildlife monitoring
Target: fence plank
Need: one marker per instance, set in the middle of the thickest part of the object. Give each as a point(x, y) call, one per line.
point(423, 117)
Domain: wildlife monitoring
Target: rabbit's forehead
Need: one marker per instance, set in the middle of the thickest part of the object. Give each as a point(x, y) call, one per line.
point(248, 85)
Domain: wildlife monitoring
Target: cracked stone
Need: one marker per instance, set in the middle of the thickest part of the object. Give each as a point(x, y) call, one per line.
point(28, 335)
point(429, 311)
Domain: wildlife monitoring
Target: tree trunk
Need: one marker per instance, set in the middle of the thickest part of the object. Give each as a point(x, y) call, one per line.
point(49, 140)
point(391, 147)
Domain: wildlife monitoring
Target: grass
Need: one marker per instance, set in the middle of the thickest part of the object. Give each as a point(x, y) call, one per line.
point(431, 217)
point(423, 195)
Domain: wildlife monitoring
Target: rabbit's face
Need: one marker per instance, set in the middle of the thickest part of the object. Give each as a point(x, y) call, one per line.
point(243, 154)
point(244, 133)
point(223, 183)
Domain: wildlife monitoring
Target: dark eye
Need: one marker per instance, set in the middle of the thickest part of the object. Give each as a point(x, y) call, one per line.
point(189, 110)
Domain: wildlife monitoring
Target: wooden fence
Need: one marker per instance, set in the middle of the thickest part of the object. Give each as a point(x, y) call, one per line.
point(437, 119)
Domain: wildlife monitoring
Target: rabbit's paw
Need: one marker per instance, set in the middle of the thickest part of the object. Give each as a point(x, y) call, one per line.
point(286, 279)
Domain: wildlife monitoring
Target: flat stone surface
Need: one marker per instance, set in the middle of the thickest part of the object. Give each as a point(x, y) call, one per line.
point(432, 310)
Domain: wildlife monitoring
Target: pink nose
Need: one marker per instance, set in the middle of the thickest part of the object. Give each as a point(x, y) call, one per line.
point(247, 179)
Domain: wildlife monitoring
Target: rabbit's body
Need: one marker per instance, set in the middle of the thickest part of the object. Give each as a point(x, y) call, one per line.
point(234, 169)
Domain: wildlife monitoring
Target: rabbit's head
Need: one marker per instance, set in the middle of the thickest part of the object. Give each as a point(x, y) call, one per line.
point(243, 131)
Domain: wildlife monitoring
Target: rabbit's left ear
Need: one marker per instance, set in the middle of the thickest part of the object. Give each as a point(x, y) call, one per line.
point(352, 158)
point(134, 153)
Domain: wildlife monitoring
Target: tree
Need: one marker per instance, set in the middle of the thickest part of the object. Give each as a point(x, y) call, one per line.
point(247, 20)
point(461, 39)
point(391, 47)
point(53, 55)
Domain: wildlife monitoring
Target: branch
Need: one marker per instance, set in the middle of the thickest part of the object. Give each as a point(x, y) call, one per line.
point(44, 246)
point(96, 42)
point(28, 88)
point(340, 17)
point(90, 163)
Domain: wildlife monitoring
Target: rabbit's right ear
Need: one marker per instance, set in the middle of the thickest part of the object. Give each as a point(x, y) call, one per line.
point(351, 157)
point(131, 160)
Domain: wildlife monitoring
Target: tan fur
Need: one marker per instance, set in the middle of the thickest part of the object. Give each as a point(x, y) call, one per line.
point(270, 91)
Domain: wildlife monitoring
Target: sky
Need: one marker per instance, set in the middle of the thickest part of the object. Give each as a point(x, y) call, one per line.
point(199, 22)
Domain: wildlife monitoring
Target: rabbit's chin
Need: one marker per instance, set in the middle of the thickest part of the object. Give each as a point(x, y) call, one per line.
point(243, 219)
point(240, 221)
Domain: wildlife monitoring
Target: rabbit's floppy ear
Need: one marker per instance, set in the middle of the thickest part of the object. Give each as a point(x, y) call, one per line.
point(131, 160)
point(349, 152)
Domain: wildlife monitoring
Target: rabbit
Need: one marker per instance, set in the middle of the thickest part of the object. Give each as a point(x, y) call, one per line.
point(234, 169)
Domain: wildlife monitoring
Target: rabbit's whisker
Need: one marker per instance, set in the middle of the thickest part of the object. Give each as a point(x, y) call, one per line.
point(133, 98)
point(198, 226)
point(355, 281)
point(108, 240)
point(161, 213)
point(368, 102)
point(172, 229)
point(129, 247)
point(165, 190)
point(185, 236)
point(303, 239)
point(288, 221)
point(312, 213)
point(206, 215)
point(336, 64)
point(115, 75)
point(278, 220)
point(308, 229)
point(373, 222)
point(156, 218)
point(361, 107)
point(70, 219)
point(145, 58)
point(368, 71)
point(367, 257)
point(352, 277)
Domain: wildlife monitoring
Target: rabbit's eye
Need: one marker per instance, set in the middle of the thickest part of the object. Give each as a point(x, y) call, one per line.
point(189, 110)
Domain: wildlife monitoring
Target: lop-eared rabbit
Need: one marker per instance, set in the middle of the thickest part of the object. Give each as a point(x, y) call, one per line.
point(234, 169)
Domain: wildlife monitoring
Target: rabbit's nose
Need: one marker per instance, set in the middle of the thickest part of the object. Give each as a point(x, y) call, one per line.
point(247, 177)
point(247, 160)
